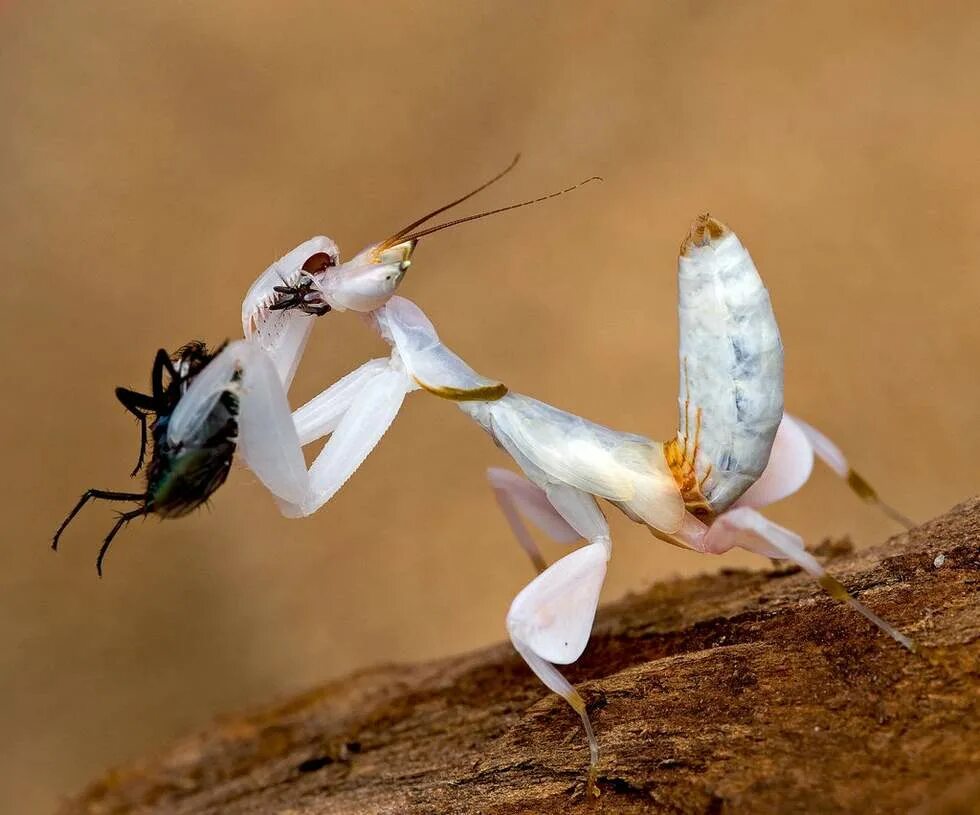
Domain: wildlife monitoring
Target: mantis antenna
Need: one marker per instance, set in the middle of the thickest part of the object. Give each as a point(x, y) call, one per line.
point(394, 239)
point(406, 234)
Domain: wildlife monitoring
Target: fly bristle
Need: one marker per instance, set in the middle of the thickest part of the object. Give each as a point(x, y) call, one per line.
point(195, 349)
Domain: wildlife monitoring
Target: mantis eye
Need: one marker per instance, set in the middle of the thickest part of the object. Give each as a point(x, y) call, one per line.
point(317, 263)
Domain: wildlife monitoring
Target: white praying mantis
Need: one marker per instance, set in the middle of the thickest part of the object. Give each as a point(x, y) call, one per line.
point(735, 450)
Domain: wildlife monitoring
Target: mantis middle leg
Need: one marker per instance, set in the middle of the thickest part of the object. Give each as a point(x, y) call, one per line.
point(517, 496)
point(550, 620)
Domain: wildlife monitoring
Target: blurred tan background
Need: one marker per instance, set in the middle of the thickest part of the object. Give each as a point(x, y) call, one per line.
point(156, 156)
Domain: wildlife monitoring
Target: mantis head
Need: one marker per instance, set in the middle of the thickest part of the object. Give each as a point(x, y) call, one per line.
point(369, 279)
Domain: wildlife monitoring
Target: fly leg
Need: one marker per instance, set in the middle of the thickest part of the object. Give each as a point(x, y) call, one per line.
point(746, 528)
point(517, 496)
point(161, 363)
point(141, 406)
point(301, 296)
point(121, 521)
point(550, 620)
point(104, 495)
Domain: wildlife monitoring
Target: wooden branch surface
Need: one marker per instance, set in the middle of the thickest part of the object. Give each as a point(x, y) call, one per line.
point(739, 692)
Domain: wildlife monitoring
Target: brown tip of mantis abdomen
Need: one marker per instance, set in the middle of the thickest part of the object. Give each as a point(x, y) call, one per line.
point(704, 230)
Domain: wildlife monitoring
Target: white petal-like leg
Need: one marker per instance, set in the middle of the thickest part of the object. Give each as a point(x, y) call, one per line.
point(370, 399)
point(550, 620)
point(691, 535)
point(266, 435)
point(358, 410)
point(370, 414)
point(789, 467)
point(831, 455)
point(746, 528)
point(582, 513)
point(320, 416)
point(283, 335)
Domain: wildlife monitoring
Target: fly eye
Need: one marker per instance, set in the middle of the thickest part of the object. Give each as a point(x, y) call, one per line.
point(317, 263)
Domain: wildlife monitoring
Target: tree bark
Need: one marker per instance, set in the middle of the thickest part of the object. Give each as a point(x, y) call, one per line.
point(738, 692)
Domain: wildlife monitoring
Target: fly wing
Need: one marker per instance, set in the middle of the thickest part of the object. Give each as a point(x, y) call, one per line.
point(570, 450)
point(205, 390)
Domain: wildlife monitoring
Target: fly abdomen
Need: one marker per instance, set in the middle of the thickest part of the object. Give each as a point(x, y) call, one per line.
point(182, 476)
point(181, 480)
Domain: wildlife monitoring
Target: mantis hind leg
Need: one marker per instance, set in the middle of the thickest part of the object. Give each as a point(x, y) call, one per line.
point(831, 455)
point(747, 529)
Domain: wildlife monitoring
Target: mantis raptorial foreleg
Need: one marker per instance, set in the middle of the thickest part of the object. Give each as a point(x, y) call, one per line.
point(700, 489)
point(356, 413)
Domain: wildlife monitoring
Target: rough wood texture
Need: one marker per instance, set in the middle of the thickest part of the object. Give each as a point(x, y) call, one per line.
point(741, 692)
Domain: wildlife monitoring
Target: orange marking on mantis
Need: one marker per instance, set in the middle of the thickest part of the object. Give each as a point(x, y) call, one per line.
point(697, 439)
point(687, 407)
point(684, 469)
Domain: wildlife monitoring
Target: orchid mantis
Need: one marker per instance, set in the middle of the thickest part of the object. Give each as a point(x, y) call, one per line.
point(735, 451)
